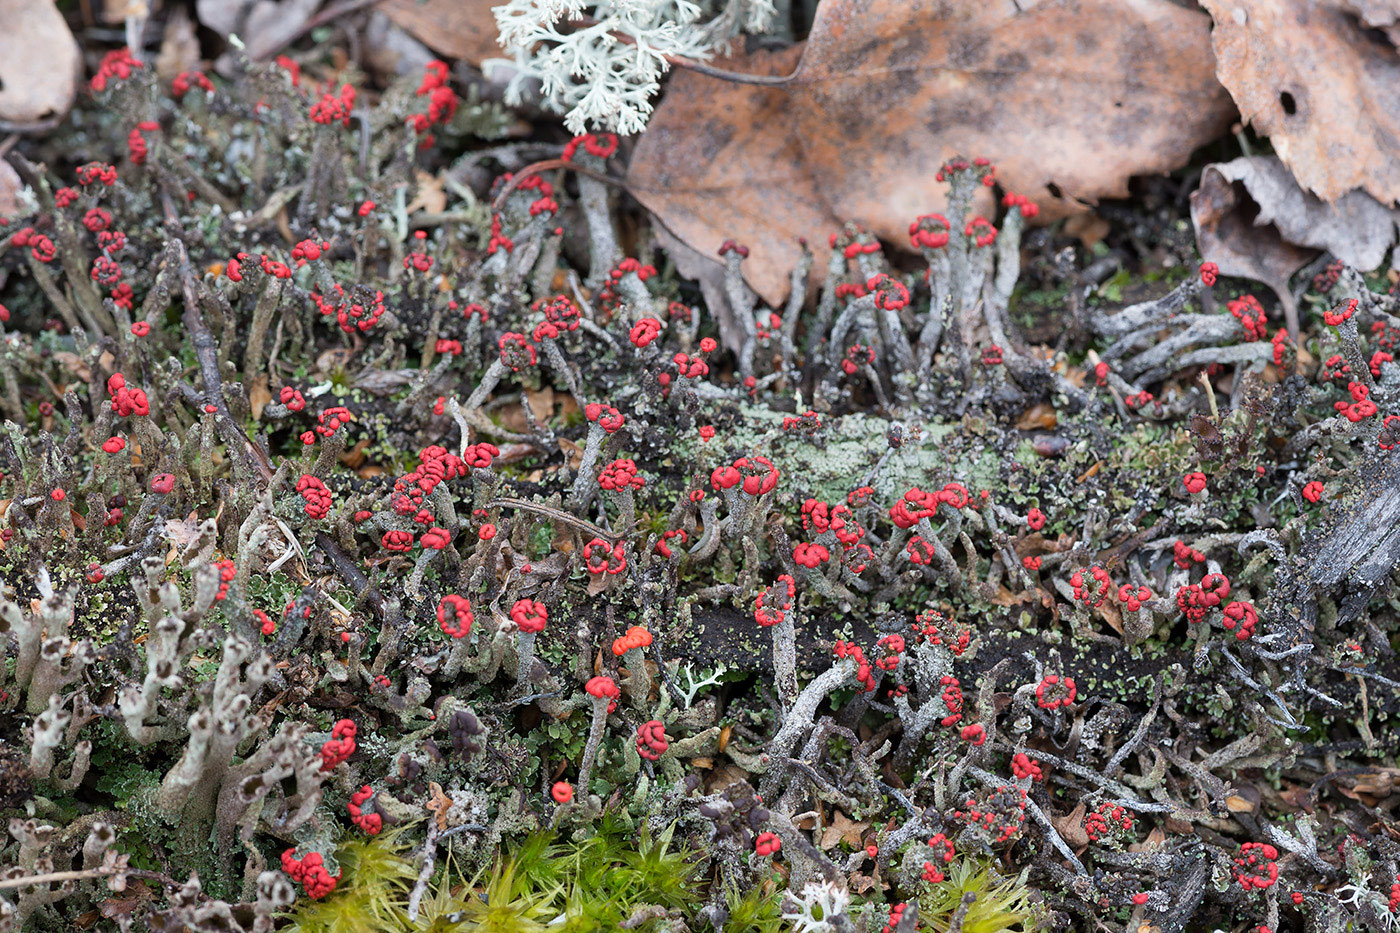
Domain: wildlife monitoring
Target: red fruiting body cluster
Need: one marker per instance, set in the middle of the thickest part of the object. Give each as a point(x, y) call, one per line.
point(94, 172)
point(929, 231)
point(334, 107)
point(1133, 598)
point(442, 100)
point(117, 64)
point(1240, 618)
point(562, 792)
point(933, 873)
point(767, 844)
point(126, 401)
point(1020, 202)
point(810, 555)
point(1035, 519)
point(1054, 691)
point(340, 746)
point(454, 615)
point(1000, 814)
point(1197, 599)
point(1194, 482)
point(311, 872)
point(1209, 272)
point(605, 416)
point(227, 571)
point(765, 614)
point(809, 423)
point(992, 356)
point(756, 474)
point(980, 231)
point(40, 246)
point(925, 504)
point(517, 352)
point(162, 483)
point(601, 145)
point(974, 734)
point(1360, 407)
point(896, 916)
point(601, 557)
point(317, 496)
point(188, 79)
point(1137, 399)
point(360, 314)
point(844, 649)
point(371, 822)
point(1250, 313)
point(635, 637)
point(136, 142)
point(644, 331)
point(620, 475)
point(857, 355)
point(651, 739)
point(1109, 822)
point(529, 616)
point(1023, 766)
point(663, 548)
point(1254, 866)
point(1185, 556)
point(266, 624)
point(1340, 314)
point(603, 688)
point(928, 626)
point(608, 298)
point(114, 445)
point(893, 646)
point(1084, 590)
point(1313, 490)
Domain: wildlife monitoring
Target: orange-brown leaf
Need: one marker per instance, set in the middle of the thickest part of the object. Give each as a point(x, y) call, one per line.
point(1307, 75)
point(1069, 98)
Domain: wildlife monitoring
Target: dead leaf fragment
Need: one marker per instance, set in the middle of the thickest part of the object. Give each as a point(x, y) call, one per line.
point(438, 804)
point(39, 62)
point(179, 47)
point(463, 29)
point(843, 829)
point(1071, 827)
point(1221, 212)
point(1069, 98)
point(1357, 229)
point(431, 195)
point(1309, 76)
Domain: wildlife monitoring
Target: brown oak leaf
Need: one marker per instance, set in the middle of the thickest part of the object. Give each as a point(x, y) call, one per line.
point(1320, 84)
point(1068, 97)
point(463, 29)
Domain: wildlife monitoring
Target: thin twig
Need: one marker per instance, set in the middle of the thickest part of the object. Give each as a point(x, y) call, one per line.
point(547, 165)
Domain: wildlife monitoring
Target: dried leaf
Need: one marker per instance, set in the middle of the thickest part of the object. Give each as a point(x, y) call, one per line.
point(1309, 76)
point(1039, 415)
point(39, 61)
point(431, 195)
point(464, 29)
point(259, 395)
point(1252, 219)
point(1222, 214)
point(179, 47)
point(73, 363)
point(438, 804)
point(843, 829)
point(886, 90)
point(1071, 827)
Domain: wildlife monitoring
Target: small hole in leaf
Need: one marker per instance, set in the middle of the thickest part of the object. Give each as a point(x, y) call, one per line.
point(1290, 106)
